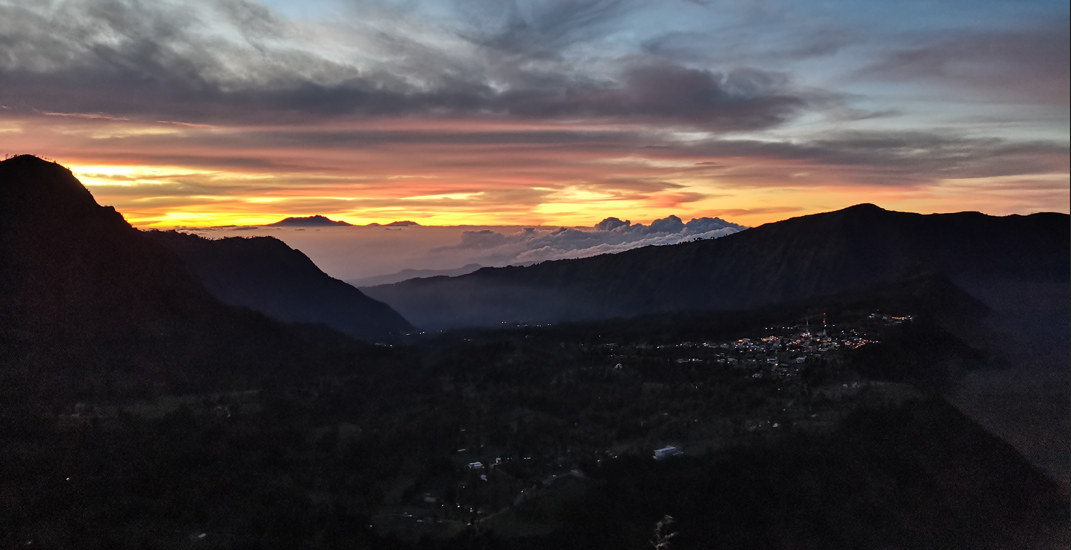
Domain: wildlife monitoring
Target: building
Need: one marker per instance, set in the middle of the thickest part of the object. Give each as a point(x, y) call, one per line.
point(664, 452)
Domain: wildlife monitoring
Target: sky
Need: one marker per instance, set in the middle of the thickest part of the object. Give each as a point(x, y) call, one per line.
point(541, 113)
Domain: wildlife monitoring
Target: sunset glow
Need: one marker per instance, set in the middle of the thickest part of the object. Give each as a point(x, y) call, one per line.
point(554, 113)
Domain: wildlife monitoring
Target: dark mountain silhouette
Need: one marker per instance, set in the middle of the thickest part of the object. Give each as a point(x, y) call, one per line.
point(404, 223)
point(309, 221)
point(84, 293)
point(792, 260)
point(121, 421)
point(264, 274)
point(407, 274)
point(69, 264)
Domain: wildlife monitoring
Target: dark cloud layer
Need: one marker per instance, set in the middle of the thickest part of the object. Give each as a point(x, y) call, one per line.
point(1028, 64)
point(509, 27)
point(893, 158)
point(534, 111)
point(149, 60)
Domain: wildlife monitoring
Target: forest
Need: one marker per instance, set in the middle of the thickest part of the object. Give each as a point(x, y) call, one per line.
point(848, 448)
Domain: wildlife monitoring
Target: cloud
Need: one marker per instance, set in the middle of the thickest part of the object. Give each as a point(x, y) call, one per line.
point(889, 158)
point(1025, 64)
point(533, 112)
point(91, 116)
point(253, 20)
point(738, 44)
point(541, 29)
point(243, 63)
point(612, 235)
point(732, 212)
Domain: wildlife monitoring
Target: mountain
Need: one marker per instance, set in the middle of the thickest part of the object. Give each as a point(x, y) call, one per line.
point(69, 264)
point(264, 274)
point(89, 304)
point(139, 411)
point(309, 221)
point(791, 260)
point(407, 274)
point(403, 223)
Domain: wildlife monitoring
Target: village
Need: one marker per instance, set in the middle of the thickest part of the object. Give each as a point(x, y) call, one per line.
point(515, 423)
point(518, 421)
point(785, 379)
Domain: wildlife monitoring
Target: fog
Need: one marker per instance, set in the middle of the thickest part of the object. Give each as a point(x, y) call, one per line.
point(360, 252)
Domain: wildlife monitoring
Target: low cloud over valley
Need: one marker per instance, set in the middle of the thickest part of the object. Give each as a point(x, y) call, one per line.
point(609, 236)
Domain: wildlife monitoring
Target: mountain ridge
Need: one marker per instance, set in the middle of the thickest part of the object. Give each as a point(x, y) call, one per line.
point(309, 221)
point(407, 274)
point(264, 274)
point(798, 258)
point(91, 305)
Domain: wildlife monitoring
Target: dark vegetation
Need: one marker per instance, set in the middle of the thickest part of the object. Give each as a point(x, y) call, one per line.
point(829, 457)
point(89, 304)
point(138, 411)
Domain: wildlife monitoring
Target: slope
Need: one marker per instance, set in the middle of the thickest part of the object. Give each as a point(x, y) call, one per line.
point(791, 260)
point(90, 304)
point(264, 274)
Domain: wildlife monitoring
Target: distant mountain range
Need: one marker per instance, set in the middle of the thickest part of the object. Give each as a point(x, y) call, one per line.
point(403, 223)
point(407, 274)
point(323, 221)
point(75, 270)
point(264, 274)
point(309, 221)
point(796, 259)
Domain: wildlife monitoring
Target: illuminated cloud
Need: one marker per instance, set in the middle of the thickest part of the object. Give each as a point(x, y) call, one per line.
point(551, 112)
point(532, 245)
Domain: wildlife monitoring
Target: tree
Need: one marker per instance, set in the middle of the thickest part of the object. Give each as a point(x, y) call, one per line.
point(662, 533)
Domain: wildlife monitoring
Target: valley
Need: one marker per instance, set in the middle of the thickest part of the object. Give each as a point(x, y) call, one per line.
point(168, 391)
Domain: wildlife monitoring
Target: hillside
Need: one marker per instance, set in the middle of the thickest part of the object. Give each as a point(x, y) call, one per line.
point(89, 304)
point(406, 274)
point(803, 456)
point(71, 265)
point(264, 274)
point(139, 411)
point(780, 262)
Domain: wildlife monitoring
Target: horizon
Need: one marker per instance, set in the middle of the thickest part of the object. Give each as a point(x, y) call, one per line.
point(340, 250)
point(321, 384)
point(283, 217)
point(542, 113)
point(587, 226)
point(360, 253)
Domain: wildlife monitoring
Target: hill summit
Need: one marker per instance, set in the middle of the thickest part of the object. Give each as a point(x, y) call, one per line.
point(84, 292)
point(264, 274)
point(72, 268)
point(309, 221)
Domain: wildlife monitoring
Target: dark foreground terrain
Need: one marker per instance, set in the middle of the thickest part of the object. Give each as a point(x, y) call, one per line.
point(137, 410)
point(849, 448)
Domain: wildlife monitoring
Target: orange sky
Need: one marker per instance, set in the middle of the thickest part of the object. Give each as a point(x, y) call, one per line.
point(446, 172)
point(558, 112)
